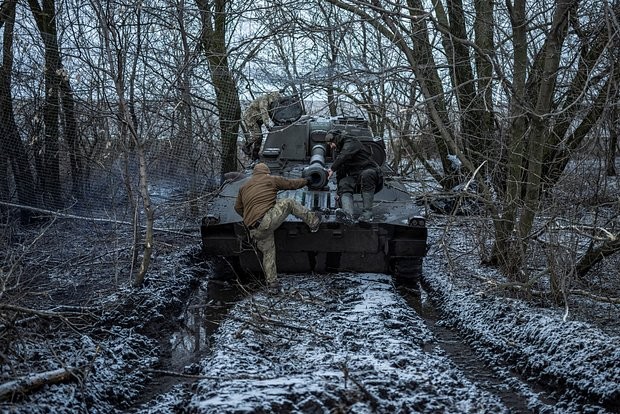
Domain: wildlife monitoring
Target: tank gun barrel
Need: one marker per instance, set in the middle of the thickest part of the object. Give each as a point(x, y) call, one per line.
point(316, 170)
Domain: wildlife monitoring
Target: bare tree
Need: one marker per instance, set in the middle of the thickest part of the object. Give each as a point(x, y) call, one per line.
point(614, 130)
point(184, 143)
point(118, 62)
point(504, 95)
point(554, 88)
point(14, 155)
point(45, 17)
point(215, 17)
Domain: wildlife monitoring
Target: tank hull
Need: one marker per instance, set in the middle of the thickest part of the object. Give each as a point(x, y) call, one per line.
point(395, 242)
point(373, 247)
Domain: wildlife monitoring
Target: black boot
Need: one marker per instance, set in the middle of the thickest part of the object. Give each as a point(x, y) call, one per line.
point(367, 199)
point(247, 148)
point(345, 213)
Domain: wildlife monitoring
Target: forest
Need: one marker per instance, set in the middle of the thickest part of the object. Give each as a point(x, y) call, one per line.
point(127, 114)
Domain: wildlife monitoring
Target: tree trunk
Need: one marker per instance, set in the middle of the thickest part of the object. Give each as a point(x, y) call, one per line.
point(474, 131)
point(539, 133)
point(150, 217)
point(213, 36)
point(527, 148)
point(13, 151)
point(127, 121)
point(596, 254)
point(506, 251)
point(30, 383)
point(425, 69)
point(483, 29)
point(72, 138)
point(537, 138)
point(45, 17)
point(183, 143)
point(614, 131)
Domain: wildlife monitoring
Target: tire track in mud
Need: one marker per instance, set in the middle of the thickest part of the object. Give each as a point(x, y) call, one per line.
point(565, 366)
point(341, 341)
point(209, 305)
point(515, 392)
point(206, 307)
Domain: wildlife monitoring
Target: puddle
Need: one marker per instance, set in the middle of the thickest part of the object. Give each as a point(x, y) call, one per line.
point(510, 390)
point(207, 307)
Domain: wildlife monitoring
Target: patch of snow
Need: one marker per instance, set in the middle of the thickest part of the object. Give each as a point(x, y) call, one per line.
point(576, 358)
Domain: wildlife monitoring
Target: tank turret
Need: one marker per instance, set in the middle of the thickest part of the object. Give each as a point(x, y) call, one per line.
point(394, 242)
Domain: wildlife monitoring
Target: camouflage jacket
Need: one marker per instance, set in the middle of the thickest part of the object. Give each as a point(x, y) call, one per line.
point(258, 110)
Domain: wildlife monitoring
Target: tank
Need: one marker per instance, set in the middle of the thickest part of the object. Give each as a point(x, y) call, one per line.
point(395, 242)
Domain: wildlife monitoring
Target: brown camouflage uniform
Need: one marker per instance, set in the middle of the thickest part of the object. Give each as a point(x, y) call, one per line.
point(255, 116)
point(263, 213)
point(264, 233)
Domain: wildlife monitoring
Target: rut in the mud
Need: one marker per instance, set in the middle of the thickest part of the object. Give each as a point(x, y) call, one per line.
point(373, 358)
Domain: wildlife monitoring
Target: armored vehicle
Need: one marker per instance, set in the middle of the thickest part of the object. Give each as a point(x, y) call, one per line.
point(394, 242)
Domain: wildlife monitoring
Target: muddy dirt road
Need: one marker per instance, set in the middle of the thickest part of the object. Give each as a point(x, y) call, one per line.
point(357, 343)
point(349, 343)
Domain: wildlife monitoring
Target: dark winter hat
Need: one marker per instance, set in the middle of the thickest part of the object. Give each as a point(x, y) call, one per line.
point(335, 136)
point(261, 168)
point(332, 135)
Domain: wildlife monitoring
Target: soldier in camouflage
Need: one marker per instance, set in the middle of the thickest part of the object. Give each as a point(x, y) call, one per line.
point(254, 117)
point(263, 213)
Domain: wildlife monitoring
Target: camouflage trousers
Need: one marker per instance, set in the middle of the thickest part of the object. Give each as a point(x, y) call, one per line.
point(256, 140)
point(264, 237)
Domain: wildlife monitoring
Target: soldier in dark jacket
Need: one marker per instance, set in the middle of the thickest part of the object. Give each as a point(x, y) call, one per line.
point(263, 213)
point(355, 171)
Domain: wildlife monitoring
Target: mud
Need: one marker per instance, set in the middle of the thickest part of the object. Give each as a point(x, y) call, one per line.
point(191, 342)
point(267, 357)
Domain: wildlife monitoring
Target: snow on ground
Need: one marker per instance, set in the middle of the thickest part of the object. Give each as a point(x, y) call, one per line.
point(325, 343)
point(108, 334)
point(345, 342)
point(578, 359)
point(351, 343)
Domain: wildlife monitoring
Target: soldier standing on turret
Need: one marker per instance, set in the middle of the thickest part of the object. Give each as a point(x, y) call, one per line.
point(254, 117)
point(355, 171)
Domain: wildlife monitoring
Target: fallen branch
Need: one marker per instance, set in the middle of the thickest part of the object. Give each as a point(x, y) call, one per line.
point(606, 299)
point(32, 382)
point(58, 214)
point(42, 314)
point(181, 374)
point(285, 325)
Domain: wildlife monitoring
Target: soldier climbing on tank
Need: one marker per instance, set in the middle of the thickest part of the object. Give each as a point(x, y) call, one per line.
point(254, 117)
point(263, 213)
point(356, 171)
